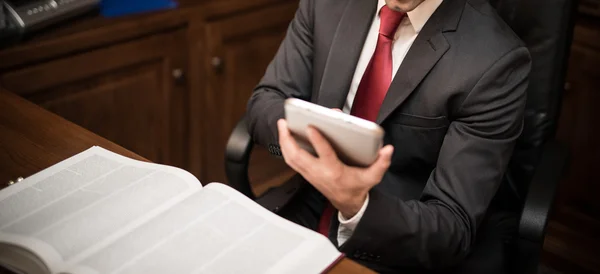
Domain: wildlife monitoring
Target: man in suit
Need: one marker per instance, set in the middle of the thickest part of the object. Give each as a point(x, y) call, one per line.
point(446, 79)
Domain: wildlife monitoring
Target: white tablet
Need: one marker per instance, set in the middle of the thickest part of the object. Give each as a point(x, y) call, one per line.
point(355, 140)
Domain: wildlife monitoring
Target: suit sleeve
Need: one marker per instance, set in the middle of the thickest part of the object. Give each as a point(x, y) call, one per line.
point(439, 229)
point(288, 75)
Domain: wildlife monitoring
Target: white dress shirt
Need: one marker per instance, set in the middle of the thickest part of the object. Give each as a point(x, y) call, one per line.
point(405, 35)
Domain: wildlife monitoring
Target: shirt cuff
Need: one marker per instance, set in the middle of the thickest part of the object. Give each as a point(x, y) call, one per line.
point(350, 224)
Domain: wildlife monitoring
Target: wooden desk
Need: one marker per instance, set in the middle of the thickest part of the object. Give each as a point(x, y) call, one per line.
point(32, 139)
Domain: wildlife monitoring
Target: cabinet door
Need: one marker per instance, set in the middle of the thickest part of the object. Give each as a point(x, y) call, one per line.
point(579, 127)
point(239, 49)
point(572, 235)
point(129, 93)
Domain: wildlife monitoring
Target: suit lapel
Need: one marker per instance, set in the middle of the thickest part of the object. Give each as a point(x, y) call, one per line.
point(420, 59)
point(427, 49)
point(345, 51)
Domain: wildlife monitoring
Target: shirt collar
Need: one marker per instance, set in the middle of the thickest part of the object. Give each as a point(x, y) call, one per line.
point(419, 16)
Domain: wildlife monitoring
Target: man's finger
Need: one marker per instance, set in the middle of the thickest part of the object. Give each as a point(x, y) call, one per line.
point(321, 145)
point(298, 158)
point(287, 144)
point(376, 170)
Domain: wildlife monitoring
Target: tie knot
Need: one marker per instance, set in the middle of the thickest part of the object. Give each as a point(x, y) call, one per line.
point(390, 19)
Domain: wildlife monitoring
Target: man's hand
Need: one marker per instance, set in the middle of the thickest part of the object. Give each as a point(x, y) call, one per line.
point(346, 187)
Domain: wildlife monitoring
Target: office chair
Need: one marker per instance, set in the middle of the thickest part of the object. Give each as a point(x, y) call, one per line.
point(538, 160)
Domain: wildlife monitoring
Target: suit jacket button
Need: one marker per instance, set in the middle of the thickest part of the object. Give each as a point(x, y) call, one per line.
point(273, 150)
point(378, 258)
point(356, 254)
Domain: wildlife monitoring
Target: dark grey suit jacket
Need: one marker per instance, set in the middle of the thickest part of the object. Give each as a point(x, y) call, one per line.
point(453, 113)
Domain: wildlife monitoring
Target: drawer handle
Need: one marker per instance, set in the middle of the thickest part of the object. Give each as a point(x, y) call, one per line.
point(217, 63)
point(178, 75)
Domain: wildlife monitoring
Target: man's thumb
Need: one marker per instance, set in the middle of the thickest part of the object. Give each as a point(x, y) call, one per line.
point(383, 162)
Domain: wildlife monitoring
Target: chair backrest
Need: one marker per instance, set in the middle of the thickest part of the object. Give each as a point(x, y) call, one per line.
point(546, 28)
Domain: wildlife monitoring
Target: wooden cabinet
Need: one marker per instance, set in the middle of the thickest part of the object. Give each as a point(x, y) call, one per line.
point(579, 123)
point(238, 50)
point(167, 85)
point(131, 93)
point(572, 243)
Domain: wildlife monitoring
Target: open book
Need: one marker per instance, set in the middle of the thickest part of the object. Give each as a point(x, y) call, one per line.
point(100, 212)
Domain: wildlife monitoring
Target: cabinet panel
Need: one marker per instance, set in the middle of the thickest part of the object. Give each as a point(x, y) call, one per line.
point(129, 110)
point(239, 50)
point(572, 239)
point(126, 93)
point(578, 126)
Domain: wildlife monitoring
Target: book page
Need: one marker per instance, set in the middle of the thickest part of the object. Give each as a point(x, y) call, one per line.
point(216, 230)
point(90, 198)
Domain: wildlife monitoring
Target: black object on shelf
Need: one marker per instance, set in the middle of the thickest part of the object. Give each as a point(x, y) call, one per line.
point(19, 18)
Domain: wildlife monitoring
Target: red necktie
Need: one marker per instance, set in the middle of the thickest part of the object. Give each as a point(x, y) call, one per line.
point(373, 85)
point(378, 75)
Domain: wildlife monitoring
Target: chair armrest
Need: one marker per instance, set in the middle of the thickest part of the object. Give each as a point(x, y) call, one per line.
point(542, 191)
point(237, 157)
